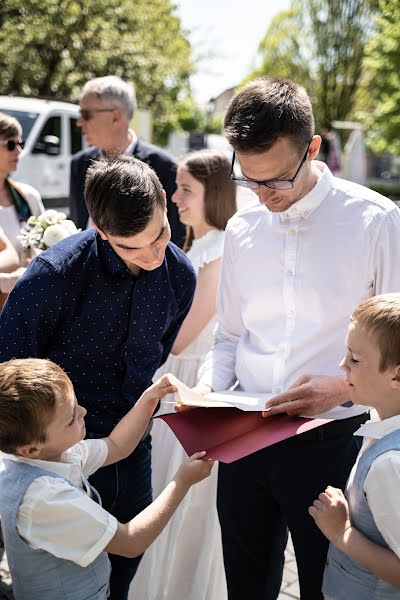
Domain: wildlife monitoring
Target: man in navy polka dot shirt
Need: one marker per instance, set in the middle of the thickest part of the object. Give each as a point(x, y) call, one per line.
point(106, 305)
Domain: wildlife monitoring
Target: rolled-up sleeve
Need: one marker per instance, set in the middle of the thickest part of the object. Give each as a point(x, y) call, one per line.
point(58, 518)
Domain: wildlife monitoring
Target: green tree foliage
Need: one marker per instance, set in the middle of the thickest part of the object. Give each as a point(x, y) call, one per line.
point(320, 44)
point(282, 52)
point(50, 48)
point(382, 88)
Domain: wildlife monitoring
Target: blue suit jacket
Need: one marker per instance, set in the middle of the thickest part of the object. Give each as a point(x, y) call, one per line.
point(159, 160)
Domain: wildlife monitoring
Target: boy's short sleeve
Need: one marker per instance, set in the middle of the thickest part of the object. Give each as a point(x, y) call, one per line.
point(384, 474)
point(92, 455)
point(57, 517)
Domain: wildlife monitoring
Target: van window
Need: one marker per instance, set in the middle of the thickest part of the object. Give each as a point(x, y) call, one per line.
point(25, 119)
point(49, 139)
point(51, 127)
point(75, 136)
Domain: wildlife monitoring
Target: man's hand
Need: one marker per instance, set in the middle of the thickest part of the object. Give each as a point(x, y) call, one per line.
point(309, 395)
point(330, 511)
point(201, 389)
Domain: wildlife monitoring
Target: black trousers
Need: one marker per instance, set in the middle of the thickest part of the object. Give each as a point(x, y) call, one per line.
point(264, 494)
point(125, 490)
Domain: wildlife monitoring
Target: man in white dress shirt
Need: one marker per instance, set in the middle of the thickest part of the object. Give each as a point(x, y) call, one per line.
point(295, 265)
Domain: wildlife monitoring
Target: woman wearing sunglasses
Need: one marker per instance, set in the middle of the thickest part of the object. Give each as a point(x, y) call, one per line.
point(18, 201)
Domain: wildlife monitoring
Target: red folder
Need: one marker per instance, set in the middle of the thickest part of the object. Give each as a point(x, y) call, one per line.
point(229, 434)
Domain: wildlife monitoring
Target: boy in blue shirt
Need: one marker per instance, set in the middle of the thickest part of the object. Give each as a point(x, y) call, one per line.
point(363, 525)
point(56, 533)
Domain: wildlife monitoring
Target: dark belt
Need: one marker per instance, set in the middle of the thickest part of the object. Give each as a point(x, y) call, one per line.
point(335, 429)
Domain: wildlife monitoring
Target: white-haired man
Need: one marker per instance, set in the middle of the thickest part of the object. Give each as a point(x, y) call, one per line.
point(107, 106)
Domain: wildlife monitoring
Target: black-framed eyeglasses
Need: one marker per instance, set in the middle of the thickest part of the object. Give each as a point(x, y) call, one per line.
point(274, 184)
point(87, 113)
point(12, 144)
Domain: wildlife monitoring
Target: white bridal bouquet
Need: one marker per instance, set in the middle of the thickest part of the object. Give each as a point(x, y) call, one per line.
point(47, 229)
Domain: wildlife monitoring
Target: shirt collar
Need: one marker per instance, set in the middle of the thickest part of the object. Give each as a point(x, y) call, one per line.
point(65, 468)
point(311, 201)
point(374, 428)
point(132, 145)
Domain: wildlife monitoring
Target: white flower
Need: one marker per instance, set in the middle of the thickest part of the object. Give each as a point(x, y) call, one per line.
point(69, 226)
point(54, 234)
point(46, 230)
point(51, 217)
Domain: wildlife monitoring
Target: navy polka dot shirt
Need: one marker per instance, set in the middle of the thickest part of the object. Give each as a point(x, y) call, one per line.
point(79, 305)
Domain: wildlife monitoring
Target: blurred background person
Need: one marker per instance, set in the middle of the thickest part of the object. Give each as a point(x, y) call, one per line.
point(107, 107)
point(186, 561)
point(18, 201)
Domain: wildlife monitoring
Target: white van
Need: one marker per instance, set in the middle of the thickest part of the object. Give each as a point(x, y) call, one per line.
point(51, 137)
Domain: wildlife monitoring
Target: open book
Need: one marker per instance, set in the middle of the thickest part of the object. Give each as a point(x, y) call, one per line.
point(247, 401)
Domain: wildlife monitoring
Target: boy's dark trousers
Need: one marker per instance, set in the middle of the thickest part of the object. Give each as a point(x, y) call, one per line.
point(125, 490)
point(263, 494)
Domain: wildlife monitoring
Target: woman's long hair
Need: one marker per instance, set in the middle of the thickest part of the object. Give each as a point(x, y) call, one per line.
point(212, 169)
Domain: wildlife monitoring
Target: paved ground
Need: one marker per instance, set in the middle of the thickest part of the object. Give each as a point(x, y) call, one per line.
point(290, 584)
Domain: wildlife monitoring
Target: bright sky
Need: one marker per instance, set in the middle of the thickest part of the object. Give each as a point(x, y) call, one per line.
point(225, 35)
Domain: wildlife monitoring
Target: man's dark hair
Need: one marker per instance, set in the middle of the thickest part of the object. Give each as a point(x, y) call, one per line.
point(265, 110)
point(121, 195)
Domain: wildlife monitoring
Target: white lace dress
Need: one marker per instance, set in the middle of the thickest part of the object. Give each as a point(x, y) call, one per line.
point(185, 562)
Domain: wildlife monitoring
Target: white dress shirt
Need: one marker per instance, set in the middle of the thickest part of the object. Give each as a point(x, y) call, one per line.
point(56, 517)
point(382, 484)
point(290, 281)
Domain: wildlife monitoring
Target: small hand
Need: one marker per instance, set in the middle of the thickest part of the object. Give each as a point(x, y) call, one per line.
point(158, 390)
point(330, 511)
point(309, 395)
point(194, 469)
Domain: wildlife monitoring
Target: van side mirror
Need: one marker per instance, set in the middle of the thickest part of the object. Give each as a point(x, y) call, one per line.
point(50, 146)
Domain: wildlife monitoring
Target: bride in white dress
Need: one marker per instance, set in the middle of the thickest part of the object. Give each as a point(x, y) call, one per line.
point(185, 562)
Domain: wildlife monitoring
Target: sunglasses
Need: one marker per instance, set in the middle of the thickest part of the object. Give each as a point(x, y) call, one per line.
point(88, 113)
point(12, 144)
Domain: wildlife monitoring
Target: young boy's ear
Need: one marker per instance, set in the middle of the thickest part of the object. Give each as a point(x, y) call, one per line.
point(28, 451)
point(396, 378)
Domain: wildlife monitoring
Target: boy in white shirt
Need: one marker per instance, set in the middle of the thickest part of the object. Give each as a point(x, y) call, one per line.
point(56, 532)
point(363, 525)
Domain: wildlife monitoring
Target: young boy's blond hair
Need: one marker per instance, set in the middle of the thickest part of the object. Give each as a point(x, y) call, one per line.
point(380, 317)
point(29, 392)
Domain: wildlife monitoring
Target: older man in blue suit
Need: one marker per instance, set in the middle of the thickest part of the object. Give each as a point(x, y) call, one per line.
point(107, 106)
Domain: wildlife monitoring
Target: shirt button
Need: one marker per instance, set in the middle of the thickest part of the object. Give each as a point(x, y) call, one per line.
point(133, 322)
point(291, 313)
point(305, 213)
point(292, 232)
point(289, 273)
point(277, 389)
